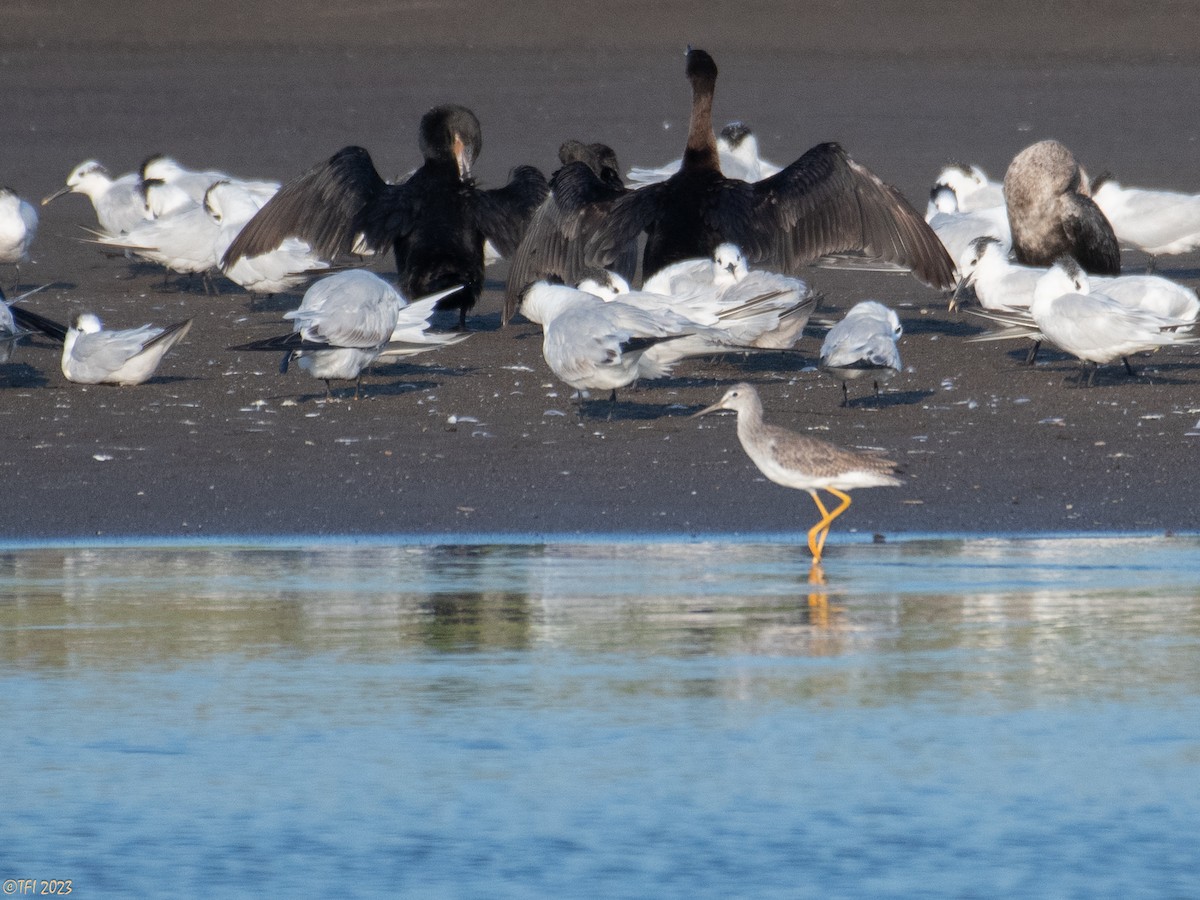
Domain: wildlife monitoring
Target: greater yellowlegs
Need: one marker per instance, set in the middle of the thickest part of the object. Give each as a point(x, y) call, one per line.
point(803, 462)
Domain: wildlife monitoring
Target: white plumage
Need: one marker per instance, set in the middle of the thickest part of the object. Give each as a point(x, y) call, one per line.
point(593, 344)
point(958, 229)
point(972, 188)
point(119, 203)
point(863, 344)
point(1092, 326)
point(18, 228)
point(196, 183)
point(737, 150)
point(1160, 223)
point(290, 265)
point(348, 320)
point(92, 355)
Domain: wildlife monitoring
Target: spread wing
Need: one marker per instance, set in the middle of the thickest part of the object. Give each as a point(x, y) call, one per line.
point(325, 207)
point(556, 244)
point(826, 203)
point(503, 214)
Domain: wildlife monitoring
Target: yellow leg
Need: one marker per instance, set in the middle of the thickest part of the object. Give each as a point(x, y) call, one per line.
point(827, 517)
point(834, 513)
point(813, 547)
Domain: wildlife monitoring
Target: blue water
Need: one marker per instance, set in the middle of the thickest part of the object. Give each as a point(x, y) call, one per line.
point(974, 718)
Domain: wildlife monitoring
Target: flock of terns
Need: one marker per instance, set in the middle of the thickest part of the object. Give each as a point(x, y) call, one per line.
point(721, 233)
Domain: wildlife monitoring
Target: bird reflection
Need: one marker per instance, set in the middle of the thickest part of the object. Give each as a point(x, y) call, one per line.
point(818, 599)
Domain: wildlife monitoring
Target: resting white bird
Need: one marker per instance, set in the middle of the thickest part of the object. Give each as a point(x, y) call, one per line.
point(1159, 223)
point(1091, 326)
point(181, 236)
point(754, 308)
point(346, 321)
point(957, 229)
point(689, 276)
point(593, 344)
point(973, 190)
point(92, 355)
point(746, 316)
point(163, 199)
point(1001, 284)
point(196, 184)
point(18, 228)
point(119, 204)
point(737, 150)
point(862, 345)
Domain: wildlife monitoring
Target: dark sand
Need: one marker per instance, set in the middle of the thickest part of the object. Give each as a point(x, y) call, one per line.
point(219, 443)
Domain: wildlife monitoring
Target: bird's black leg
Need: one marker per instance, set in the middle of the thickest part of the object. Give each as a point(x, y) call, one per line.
point(1033, 352)
point(1128, 367)
point(845, 395)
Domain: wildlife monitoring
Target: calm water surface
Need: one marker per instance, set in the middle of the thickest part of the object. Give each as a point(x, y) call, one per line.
point(976, 718)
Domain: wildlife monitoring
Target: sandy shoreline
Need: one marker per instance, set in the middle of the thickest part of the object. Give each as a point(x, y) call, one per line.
point(220, 443)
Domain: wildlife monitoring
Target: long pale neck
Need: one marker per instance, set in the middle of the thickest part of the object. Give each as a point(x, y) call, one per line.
point(749, 416)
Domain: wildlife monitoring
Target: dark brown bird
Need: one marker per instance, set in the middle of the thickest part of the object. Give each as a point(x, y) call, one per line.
point(1050, 214)
point(824, 203)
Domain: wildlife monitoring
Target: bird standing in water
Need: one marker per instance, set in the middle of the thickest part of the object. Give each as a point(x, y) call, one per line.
point(802, 462)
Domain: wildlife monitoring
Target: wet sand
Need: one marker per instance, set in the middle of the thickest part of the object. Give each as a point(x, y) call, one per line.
point(481, 438)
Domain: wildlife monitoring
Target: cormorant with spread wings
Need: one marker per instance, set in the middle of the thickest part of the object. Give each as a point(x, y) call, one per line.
point(822, 204)
point(436, 221)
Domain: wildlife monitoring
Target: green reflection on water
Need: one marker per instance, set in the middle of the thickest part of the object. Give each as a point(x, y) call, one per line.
point(1004, 619)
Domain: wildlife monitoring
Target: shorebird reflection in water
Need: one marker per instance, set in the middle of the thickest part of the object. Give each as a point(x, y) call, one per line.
point(806, 463)
point(436, 221)
point(824, 203)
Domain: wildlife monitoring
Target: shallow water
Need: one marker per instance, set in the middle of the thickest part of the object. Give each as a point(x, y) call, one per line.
point(940, 718)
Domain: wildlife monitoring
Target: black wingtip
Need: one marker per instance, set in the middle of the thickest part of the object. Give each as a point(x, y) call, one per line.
point(34, 322)
point(283, 342)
